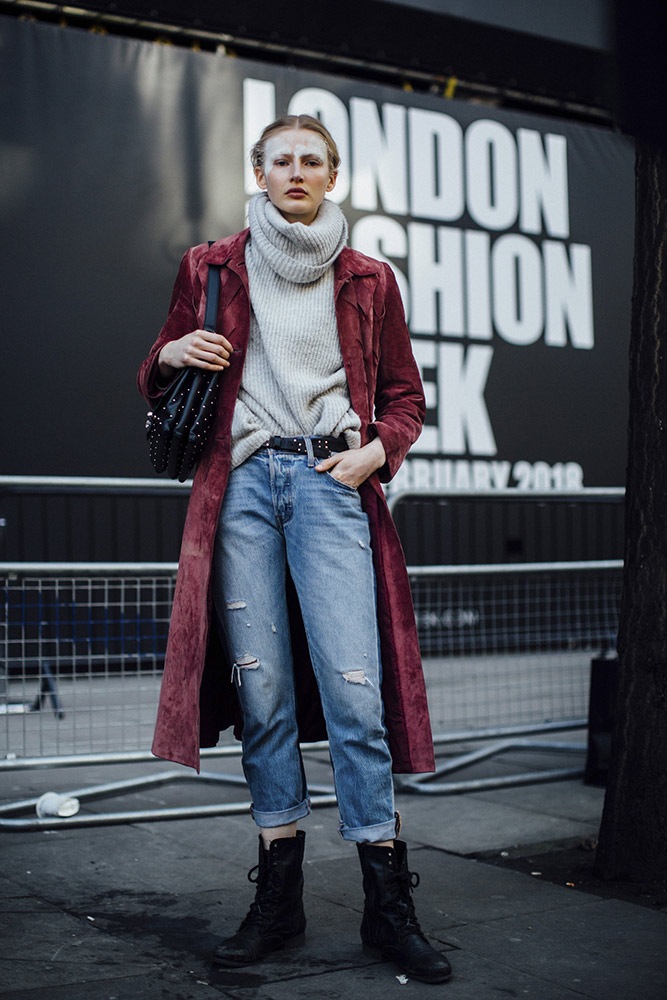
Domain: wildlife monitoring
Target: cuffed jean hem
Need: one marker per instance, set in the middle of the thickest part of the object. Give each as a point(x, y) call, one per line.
point(266, 820)
point(369, 834)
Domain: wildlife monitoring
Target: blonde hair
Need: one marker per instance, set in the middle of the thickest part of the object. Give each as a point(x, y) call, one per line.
point(296, 121)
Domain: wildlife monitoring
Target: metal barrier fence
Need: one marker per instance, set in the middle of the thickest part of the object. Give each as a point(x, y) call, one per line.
point(509, 526)
point(91, 519)
point(506, 645)
point(507, 651)
point(81, 654)
point(82, 648)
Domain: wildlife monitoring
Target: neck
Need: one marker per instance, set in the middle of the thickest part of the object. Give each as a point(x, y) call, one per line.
point(303, 219)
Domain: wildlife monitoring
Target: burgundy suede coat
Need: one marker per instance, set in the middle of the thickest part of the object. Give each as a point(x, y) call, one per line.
point(197, 699)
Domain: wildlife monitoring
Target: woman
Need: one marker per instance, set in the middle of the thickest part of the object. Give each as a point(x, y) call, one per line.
point(288, 539)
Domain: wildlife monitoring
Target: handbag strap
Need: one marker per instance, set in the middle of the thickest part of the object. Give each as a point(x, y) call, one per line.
point(212, 296)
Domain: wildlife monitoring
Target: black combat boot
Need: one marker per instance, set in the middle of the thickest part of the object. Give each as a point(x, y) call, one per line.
point(389, 922)
point(276, 915)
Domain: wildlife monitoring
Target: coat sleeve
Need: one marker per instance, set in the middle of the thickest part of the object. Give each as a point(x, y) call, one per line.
point(182, 319)
point(399, 397)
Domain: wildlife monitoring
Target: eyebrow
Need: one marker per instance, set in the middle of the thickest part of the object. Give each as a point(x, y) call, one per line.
point(287, 154)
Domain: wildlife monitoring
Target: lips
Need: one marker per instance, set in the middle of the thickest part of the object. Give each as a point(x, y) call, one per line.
point(296, 192)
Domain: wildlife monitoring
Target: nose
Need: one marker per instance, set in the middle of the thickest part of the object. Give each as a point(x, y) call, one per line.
point(297, 174)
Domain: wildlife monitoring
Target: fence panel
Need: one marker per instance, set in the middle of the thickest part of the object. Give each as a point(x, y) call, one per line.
point(105, 520)
point(509, 526)
point(511, 645)
point(506, 645)
point(82, 652)
point(53, 519)
point(502, 646)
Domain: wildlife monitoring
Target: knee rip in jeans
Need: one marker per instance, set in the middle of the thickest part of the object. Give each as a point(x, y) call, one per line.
point(356, 677)
point(245, 662)
point(236, 605)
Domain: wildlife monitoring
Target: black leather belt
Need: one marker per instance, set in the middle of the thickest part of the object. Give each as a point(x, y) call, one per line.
point(322, 446)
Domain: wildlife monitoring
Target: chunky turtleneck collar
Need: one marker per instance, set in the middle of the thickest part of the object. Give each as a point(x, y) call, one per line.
point(299, 253)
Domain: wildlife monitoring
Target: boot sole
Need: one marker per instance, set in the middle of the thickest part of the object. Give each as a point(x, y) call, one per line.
point(374, 952)
point(293, 942)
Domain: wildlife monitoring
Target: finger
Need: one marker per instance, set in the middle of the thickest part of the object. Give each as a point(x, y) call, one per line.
point(204, 351)
point(211, 337)
point(207, 360)
point(328, 463)
point(217, 347)
point(212, 361)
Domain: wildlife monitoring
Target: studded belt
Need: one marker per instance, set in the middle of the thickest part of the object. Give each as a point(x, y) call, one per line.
point(322, 446)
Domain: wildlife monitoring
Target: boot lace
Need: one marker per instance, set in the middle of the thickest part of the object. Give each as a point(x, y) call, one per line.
point(267, 895)
point(401, 885)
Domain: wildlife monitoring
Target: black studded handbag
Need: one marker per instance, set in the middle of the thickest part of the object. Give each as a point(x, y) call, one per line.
point(179, 425)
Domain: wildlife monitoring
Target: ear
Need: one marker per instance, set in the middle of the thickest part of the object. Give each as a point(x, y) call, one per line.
point(332, 181)
point(260, 178)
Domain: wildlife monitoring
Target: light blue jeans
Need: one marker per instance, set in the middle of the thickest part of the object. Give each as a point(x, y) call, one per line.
point(279, 514)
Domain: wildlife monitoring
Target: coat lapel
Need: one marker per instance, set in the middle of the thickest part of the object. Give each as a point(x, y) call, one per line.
point(353, 294)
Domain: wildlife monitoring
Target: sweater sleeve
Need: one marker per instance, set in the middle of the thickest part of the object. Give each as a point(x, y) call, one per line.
point(400, 407)
point(182, 319)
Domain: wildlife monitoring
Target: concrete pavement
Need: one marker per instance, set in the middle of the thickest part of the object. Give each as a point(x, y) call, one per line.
point(133, 911)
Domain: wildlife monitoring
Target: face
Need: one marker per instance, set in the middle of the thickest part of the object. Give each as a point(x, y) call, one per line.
point(296, 173)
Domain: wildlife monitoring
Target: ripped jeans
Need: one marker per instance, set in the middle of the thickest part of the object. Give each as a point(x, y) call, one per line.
point(279, 513)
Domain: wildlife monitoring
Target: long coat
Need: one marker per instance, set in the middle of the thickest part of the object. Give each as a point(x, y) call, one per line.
point(197, 698)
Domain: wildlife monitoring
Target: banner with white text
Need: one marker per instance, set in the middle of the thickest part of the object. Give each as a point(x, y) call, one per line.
point(510, 236)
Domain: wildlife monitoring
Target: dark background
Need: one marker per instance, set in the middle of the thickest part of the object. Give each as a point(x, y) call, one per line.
point(119, 154)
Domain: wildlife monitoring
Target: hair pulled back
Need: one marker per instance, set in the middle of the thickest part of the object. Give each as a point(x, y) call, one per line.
point(296, 121)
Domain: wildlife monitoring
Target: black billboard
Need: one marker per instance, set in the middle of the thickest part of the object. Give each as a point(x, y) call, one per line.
point(510, 235)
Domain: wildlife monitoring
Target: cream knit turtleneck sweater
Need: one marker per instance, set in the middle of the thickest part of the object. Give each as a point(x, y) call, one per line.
point(294, 381)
